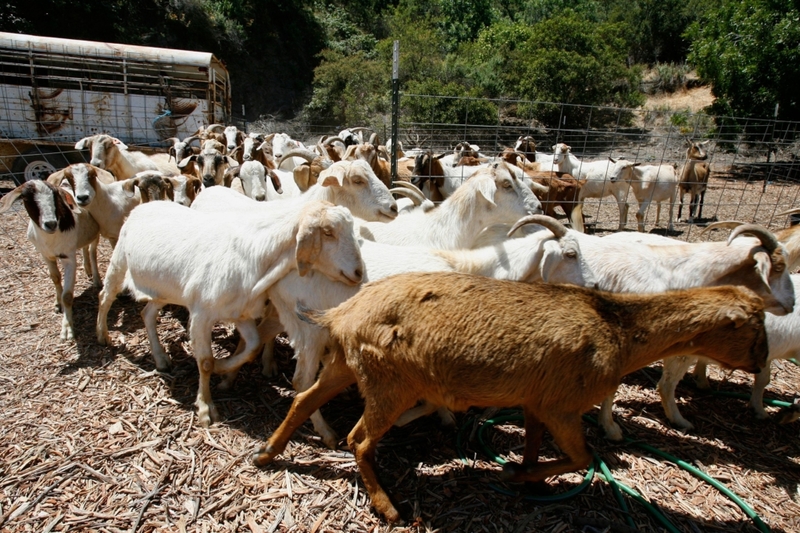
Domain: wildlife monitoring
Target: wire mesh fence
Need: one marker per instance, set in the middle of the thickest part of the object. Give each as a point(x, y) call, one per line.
point(754, 166)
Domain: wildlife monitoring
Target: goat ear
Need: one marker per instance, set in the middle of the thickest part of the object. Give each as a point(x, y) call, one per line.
point(67, 197)
point(186, 160)
point(168, 188)
point(232, 172)
point(309, 246)
point(332, 176)
point(84, 143)
point(302, 176)
point(737, 315)
point(276, 181)
point(487, 189)
point(119, 144)
point(129, 186)
point(763, 266)
point(8, 199)
point(57, 177)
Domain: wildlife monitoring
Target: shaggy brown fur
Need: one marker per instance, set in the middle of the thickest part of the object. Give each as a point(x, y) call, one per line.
point(501, 349)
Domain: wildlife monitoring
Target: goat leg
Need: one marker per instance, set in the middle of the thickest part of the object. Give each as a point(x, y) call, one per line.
point(333, 379)
point(568, 435)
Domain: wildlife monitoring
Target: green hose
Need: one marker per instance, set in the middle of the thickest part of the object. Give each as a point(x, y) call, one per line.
point(774, 403)
point(616, 486)
point(702, 475)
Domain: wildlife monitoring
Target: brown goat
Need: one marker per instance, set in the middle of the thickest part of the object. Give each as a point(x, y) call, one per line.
point(562, 188)
point(492, 344)
point(694, 178)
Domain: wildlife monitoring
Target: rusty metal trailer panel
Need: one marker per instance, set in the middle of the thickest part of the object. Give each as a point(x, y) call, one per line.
point(54, 92)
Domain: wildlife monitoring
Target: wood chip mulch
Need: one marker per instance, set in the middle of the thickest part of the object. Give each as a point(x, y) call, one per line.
point(95, 439)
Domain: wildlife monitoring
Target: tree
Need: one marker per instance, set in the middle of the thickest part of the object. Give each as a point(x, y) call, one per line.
point(750, 51)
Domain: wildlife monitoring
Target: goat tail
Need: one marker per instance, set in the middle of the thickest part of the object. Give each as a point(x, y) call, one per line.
point(576, 217)
point(309, 316)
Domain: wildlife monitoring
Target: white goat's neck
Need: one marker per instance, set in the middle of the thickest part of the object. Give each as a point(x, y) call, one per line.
point(644, 268)
point(512, 259)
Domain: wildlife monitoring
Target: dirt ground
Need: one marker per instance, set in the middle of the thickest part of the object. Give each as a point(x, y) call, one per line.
point(95, 439)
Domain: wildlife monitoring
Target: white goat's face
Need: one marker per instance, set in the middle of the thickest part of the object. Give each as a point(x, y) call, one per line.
point(83, 179)
point(562, 262)
point(251, 144)
point(101, 150)
point(560, 152)
point(185, 189)
point(254, 180)
point(360, 190)
point(282, 144)
point(621, 170)
point(327, 242)
point(231, 133)
point(513, 199)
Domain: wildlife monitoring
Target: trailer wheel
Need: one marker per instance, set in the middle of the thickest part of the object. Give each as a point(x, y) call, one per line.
point(35, 165)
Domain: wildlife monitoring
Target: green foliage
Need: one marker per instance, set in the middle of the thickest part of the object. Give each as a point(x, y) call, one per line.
point(750, 51)
point(454, 110)
point(349, 89)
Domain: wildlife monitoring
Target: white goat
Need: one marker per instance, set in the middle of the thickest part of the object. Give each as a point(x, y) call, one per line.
point(596, 176)
point(649, 183)
point(167, 254)
point(113, 155)
point(552, 256)
point(492, 195)
point(253, 180)
point(57, 229)
point(108, 203)
point(351, 184)
point(621, 265)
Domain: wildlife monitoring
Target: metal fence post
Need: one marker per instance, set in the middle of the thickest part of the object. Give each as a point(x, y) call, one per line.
point(395, 105)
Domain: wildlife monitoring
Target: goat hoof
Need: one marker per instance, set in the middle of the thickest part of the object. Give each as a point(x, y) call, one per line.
point(512, 472)
point(264, 455)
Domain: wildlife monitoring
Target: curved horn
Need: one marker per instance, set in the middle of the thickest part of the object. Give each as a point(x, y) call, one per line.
point(172, 140)
point(190, 139)
point(789, 212)
point(215, 128)
point(767, 238)
point(331, 139)
point(373, 139)
point(409, 185)
point(722, 224)
point(308, 155)
point(557, 228)
point(409, 193)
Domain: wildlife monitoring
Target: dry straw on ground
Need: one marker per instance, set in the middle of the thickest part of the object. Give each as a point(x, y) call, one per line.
point(94, 439)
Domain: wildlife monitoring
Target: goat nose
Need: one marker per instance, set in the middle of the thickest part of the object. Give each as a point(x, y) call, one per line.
point(393, 208)
point(359, 274)
point(82, 198)
point(247, 157)
point(260, 198)
point(208, 182)
point(50, 225)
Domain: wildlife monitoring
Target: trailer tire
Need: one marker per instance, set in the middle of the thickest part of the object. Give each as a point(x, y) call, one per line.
point(34, 164)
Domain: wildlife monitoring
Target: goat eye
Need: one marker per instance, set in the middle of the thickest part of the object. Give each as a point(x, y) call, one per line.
point(571, 254)
point(328, 233)
point(506, 184)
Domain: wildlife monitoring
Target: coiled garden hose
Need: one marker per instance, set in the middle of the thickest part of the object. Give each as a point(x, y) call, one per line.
point(615, 485)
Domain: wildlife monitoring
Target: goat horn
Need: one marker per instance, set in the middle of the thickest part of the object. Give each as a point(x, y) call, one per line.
point(767, 238)
point(330, 140)
point(308, 155)
point(374, 139)
point(408, 185)
point(557, 228)
point(213, 127)
point(172, 140)
point(722, 224)
point(789, 212)
point(190, 139)
point(409, 193)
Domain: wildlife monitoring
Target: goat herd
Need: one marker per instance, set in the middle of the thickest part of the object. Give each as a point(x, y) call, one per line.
point(485, 299)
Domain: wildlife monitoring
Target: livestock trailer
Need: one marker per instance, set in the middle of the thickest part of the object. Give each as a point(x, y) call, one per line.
point(54, 92)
